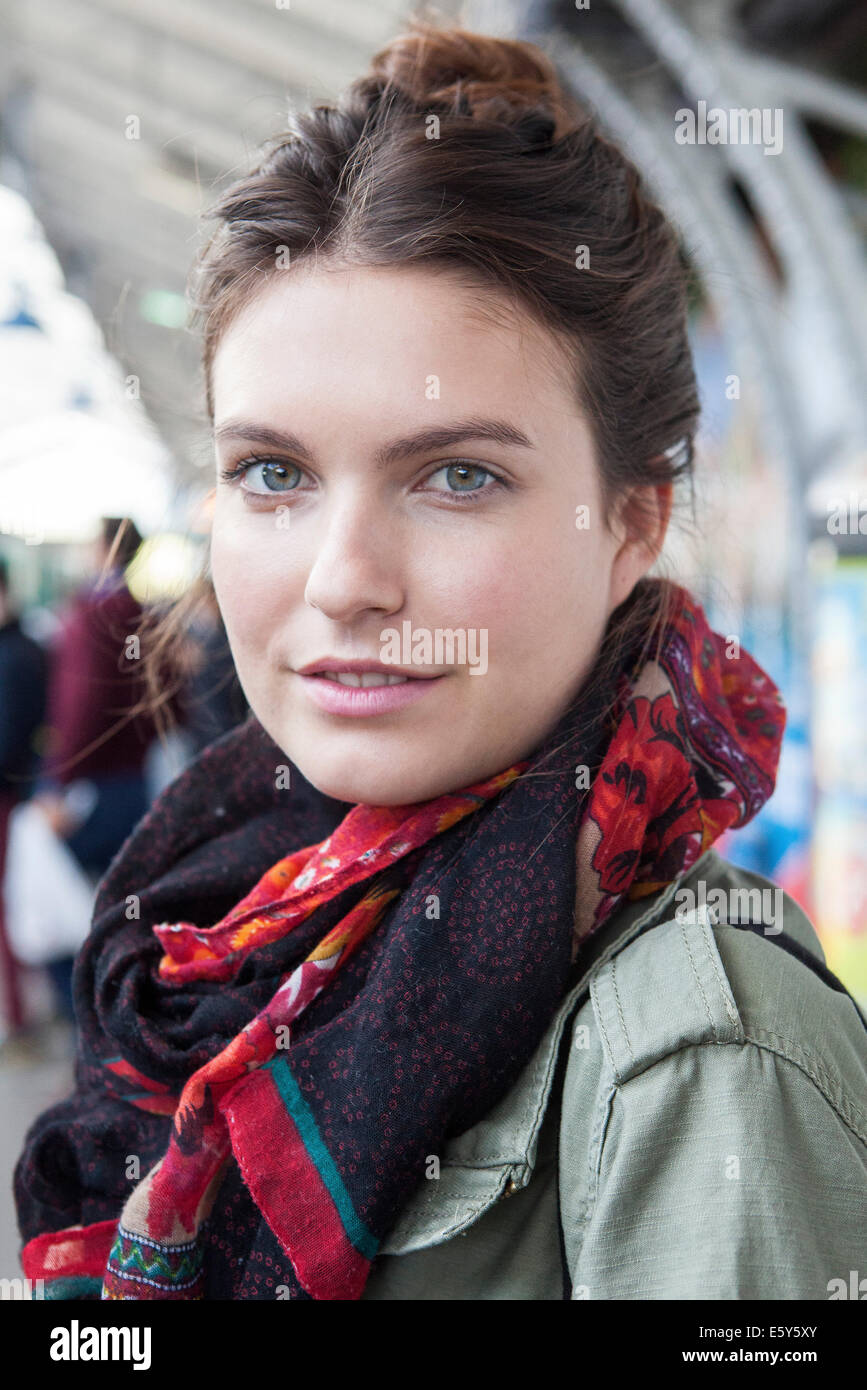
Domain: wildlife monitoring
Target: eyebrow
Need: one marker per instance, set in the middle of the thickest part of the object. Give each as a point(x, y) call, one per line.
point(421, 442)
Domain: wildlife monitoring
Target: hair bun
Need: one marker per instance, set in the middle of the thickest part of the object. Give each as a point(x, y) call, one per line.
point(475, 75)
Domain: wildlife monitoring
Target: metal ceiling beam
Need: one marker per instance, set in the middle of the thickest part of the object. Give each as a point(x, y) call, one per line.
point(803, 214)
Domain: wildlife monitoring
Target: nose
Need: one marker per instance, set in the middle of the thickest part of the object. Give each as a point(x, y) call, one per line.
point(357, 565)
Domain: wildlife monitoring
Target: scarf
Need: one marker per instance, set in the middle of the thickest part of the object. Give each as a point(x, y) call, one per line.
point(374, 992)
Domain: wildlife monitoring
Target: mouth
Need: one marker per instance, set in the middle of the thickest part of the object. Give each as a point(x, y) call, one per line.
point(358, 688)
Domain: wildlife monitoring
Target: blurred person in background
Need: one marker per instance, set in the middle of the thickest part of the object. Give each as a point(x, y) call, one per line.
point(23, 679)
point(93, 735)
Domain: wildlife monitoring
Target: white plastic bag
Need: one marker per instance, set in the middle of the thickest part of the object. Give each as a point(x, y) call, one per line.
point(47, 895)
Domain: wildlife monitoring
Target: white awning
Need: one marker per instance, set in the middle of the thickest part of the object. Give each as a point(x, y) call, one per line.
point(75, 441)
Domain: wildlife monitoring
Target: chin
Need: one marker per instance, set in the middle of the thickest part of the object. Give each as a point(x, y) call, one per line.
point(379, 787)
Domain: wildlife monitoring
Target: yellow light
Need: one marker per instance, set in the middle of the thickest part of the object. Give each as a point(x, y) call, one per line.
point(164, 567)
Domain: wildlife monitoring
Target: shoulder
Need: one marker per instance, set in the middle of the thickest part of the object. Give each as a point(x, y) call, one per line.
point(692, 994)
point(714, 1113)
point(697, 979)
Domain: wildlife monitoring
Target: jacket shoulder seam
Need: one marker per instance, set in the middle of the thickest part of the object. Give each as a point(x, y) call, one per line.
point(635, 1037)
point(850, 1113)
point(719, 972)
point(626, 1038)
point(692, 965)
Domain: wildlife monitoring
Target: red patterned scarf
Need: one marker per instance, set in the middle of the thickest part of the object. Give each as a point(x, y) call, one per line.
point(688, 747)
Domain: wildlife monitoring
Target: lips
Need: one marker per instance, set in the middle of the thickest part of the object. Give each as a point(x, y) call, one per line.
point(364, 692)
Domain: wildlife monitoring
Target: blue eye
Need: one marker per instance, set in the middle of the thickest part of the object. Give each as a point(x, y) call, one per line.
point(453, 472)
point(272, 470)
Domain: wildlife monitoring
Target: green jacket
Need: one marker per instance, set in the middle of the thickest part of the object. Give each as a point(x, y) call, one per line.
point(692, 1125)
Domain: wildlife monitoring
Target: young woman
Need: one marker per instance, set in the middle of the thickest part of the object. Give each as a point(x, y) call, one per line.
point(436, 942)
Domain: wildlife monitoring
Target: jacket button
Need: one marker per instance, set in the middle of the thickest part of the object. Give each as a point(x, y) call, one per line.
point(509, 1188)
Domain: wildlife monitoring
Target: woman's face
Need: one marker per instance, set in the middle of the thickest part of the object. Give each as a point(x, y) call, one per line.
point(414, 504)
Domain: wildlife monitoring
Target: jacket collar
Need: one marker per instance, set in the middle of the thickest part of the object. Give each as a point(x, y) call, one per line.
point(500, 1150)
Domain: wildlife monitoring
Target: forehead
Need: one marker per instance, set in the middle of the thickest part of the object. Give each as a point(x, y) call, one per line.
point(384, 331)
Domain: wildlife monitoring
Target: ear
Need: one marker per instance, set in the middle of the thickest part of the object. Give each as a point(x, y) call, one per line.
point(640, 526)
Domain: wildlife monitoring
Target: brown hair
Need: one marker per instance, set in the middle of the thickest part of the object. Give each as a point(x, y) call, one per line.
point(516, 179)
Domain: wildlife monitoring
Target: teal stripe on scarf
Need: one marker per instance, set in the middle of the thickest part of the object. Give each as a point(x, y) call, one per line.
point(74, 1286)
point(363, 1240)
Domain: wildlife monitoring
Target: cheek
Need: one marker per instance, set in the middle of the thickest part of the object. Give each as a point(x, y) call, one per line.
point(227, 569)
point(247, 577)
point(542, 600)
